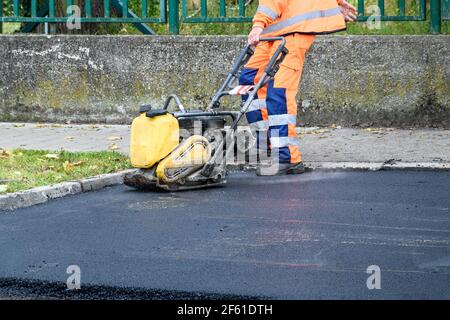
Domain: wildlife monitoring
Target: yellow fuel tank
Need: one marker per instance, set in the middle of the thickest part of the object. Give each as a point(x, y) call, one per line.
point(152, 139)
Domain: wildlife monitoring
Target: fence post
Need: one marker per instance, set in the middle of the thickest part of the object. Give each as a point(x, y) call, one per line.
point(435, 10)
point(1, 15)
point(174, 16)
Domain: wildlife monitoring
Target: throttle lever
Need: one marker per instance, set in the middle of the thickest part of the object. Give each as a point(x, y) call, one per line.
point(276, 66)
point(245, 57)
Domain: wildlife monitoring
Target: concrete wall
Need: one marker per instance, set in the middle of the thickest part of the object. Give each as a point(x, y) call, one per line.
point(354, 80)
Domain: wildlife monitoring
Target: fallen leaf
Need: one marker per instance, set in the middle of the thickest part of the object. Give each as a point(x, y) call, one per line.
point(3, 188)
point(56, 125)
point(375, 130)
point(40, 125)
point(114, 138)
point(113, 147)
point(19, 125)
point(68, 166)
point(52, 156)
point(318, 131)
point(69, 138)
point(4, 153)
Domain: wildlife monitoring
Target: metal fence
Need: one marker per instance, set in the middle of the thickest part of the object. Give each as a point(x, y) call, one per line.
point(33, 12)
point(446, 10)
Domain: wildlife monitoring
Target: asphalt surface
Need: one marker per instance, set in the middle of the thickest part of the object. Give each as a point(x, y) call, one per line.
point(300, 237)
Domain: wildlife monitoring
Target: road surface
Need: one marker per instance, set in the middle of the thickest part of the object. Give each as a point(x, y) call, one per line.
point(311, 236)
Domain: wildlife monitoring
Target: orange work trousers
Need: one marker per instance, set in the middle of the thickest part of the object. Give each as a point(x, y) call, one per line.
point(273, 113)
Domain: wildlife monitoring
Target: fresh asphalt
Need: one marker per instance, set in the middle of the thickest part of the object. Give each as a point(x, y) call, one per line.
point(311, 236)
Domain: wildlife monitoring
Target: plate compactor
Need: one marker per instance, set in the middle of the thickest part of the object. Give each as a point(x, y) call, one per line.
point(187, 149)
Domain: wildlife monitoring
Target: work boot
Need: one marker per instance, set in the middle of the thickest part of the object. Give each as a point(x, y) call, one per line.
point(278, 169)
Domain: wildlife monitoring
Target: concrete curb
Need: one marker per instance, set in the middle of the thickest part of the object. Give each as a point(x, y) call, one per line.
point(43, 194)
point(360, 166)
point(26, 198)
point(375, 166)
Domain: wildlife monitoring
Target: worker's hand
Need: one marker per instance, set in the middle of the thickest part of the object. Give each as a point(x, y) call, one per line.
point(253, 36)
point(348, 11)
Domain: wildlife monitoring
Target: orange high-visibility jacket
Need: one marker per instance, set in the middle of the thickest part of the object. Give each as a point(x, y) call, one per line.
point(281, 17)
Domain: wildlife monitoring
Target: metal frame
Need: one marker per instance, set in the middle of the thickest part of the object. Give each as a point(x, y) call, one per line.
point(446, 10)
point(222, 14)
point(46, 14)
point(127, 17)
point(268, 74)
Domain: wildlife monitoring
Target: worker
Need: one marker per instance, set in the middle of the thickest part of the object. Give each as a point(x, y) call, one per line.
point(273, 113)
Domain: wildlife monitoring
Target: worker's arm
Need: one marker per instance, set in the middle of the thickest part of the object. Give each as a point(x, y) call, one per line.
point(267, 12)
point(347, 10)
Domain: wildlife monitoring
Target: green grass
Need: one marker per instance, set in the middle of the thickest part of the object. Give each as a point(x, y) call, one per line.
point(11, 27)
point(25, 169)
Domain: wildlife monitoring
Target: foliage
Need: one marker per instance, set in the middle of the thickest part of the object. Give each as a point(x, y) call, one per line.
point(24, 169)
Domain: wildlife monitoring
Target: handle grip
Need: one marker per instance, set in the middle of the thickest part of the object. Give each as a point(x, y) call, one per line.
point(276, 65)
point(249, 51)
point(243, 58)
point(278, 56)
point(273, 39)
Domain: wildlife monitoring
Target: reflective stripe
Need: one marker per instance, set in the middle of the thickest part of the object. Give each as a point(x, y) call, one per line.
point(257, 104)
point(302, 17)
point(279, 142)
point(282, 119)
point(267, 11)
point(260, 125)
point(240, 90)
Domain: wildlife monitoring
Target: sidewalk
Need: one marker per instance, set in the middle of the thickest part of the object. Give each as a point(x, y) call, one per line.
point(318, 144)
